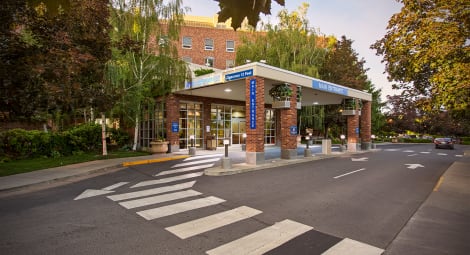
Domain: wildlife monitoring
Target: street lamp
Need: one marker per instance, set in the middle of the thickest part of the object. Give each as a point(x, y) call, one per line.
point(343, 137)
point(192, 149)
point(226, 162)
point(244, 142)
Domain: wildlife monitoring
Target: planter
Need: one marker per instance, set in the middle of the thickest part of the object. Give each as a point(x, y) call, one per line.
point(281, 104)
point(158, 147)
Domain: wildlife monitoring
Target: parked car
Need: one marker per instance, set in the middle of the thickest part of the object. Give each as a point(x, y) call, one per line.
point(444, 142)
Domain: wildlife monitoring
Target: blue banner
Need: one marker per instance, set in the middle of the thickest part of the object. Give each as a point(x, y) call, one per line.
point(253, 104)
point(329, 87)
point(239, 75)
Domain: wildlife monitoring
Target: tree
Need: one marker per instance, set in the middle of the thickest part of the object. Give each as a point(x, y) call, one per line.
point(237, 10)
point(59, 58)
point(378, 119)
point(145, 63)
point(291, 45)
point(427, 52)
point(342, 66)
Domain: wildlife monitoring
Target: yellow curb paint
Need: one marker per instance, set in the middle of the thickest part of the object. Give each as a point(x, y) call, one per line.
point(149, 161)
point(438, 184)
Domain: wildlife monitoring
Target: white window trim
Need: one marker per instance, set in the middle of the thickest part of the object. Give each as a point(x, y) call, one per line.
point(206, 47)
point(230, 49)
point(190, 46)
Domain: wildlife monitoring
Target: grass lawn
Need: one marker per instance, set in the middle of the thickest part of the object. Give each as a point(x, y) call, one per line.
point(29, 165)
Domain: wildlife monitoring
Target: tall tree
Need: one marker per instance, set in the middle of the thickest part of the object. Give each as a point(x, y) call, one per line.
point(145, 62)
point(342, 66)
point(237, 10)
point(291, 44)
point(427, 52)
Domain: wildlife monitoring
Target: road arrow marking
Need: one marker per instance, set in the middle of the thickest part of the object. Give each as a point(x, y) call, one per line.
point(96, 192)
point(358, 170)
point(359, 159)
point(414, 166)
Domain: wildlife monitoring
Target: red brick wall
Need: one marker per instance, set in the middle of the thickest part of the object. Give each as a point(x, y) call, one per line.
point(288, 119)
point(365, 121)
point(219, 53)
point(172, 114)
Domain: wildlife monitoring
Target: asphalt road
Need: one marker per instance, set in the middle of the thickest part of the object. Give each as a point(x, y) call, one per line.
point(368, 198)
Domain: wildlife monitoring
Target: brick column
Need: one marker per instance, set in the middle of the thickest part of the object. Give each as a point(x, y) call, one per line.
point(289, 119)
point(353, 125)
point(366, 125)
point(172, 115)
point(254, 89)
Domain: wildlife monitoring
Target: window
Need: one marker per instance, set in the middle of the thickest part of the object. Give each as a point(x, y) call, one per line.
point(209, 61)
point(208, 44)
point(229, 63)
point(230, 46)
point(187, 59)
point(187, 42)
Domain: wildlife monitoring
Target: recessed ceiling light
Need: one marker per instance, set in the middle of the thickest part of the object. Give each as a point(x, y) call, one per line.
point(315, 103)
point(228, 90)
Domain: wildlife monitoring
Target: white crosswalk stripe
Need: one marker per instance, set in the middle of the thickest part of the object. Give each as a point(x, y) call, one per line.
point(203, 156)
point(169, 179)
point(263, 240)
point(195, 227)
point(163, 211)
point(159, 199)
point(185, 169)
point(196, 162)
point(149, 192)
point(351, 247)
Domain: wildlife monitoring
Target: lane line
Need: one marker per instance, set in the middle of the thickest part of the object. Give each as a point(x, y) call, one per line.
point(185, 169)
point(195, 227)
point(169, 179)
point(438, 184)
point(263, 240)
point(351, 247)
point(159, 199)
point(114, 186)
point(168, 210)
point(355, 171)
point(149, 192)
point(196, 162)
point(203, 156)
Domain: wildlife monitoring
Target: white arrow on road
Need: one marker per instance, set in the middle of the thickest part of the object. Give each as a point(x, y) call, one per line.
point(414, 166)
point(96, 192)
point(359, 159)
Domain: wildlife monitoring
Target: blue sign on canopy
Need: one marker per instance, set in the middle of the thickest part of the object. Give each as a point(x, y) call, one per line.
point(329, 87)
point(239, 75)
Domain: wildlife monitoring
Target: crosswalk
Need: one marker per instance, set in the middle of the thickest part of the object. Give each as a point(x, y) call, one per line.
point(152, 201)
point(427, 152)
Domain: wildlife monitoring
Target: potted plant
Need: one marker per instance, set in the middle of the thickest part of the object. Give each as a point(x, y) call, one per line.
point(281, 94)
point(159, 145)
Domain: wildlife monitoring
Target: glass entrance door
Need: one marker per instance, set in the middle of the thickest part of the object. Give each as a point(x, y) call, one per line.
point(238, 129)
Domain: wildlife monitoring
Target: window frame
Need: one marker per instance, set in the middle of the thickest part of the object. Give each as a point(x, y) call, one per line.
point(229, 49)
point(187, 46)
point(208, 46)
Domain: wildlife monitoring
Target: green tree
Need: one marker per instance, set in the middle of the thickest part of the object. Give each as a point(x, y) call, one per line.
point(145, 62)
point(291, 45)
point(378, 119)
point(342, 66)
point(426, 50)
point(237, 10)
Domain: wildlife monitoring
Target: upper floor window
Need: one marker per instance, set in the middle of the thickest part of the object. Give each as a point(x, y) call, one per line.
point(229, 63)
point(208, 44)
point(209, 61)
point(187, 42)
point(230, 46)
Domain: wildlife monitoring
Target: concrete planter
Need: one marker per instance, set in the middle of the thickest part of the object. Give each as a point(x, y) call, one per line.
point(158, 146)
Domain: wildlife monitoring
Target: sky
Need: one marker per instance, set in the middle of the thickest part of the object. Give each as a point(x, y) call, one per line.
point(362, 21)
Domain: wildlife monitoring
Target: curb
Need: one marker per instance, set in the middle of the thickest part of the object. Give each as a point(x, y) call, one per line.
point(149, 161)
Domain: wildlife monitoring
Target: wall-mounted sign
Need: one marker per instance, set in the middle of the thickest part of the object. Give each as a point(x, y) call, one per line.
point(253, 104)
point(329, 87)
point(357, 130)
point(239, 75)
point(175, 127)
point(293, 130)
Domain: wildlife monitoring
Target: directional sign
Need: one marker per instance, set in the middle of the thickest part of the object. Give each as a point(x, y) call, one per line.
point(96, 192)
point(359, 159)
point(413, 166)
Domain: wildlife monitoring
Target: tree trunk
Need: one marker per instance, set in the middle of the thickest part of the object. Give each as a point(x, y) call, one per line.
point(103, 134)
point(136, 133)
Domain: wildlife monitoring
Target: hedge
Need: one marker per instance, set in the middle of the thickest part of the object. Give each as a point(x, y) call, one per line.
point(19, 143)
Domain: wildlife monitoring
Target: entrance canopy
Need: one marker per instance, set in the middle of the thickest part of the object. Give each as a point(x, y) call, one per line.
point(230, 84)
